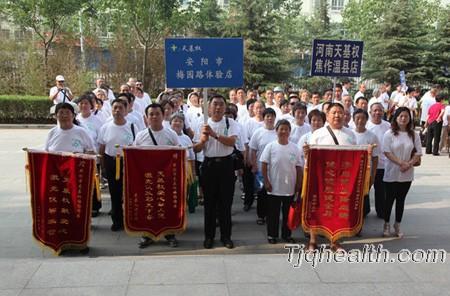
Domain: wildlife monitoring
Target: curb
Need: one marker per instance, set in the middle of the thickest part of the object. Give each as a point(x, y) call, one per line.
point(26, 126)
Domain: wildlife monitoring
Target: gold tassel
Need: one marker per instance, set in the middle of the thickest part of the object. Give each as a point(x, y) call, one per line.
point(190, 174)
point(305, 177)
point(27, 177)
point(367, 180)
point(117, 166)
point(97, 185)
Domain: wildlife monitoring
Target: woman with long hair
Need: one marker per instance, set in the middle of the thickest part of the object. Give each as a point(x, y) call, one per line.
point(402, 148)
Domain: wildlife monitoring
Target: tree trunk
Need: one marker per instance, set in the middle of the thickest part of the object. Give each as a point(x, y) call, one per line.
point(144, 64)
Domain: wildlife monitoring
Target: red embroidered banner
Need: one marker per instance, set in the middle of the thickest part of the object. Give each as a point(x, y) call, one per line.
point(333, 190)
point(154, 190)
point(61, 189)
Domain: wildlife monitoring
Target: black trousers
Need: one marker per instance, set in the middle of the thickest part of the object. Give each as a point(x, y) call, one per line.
point(115, 189)
point(380, 193)
point(261, 206)
point(248, 180)
point(273, 215)
point(218, 180)
point(396, 191)
point(434, 133)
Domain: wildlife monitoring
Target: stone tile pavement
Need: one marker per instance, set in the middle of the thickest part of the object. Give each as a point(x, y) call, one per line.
point(116, 266)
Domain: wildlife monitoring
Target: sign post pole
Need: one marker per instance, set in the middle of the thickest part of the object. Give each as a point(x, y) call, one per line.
point(334, 89)
point(205, 105)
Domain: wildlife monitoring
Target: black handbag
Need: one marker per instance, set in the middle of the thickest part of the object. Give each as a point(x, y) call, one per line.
point(238, 158)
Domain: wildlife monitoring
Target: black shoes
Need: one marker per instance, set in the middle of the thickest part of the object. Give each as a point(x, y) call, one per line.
point(271, 240)
point(95, 213)
point(247, 208)
point(144, 242)
point(116, 227)
point(228, 243)
point(173, 242)
point(208, 243)
point(289, 239)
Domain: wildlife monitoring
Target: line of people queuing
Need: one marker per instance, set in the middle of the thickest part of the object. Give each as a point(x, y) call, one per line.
point(270, 134)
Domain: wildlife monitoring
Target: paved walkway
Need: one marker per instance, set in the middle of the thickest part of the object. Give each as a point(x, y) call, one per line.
point(116, 266)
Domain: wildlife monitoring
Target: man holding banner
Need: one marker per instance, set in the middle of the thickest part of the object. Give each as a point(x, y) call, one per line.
point(330, 203)
point(156, 135)
point(217, 139)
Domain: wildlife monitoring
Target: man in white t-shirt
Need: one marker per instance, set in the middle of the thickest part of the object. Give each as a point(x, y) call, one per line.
point(241, 97)
point(428, 99)
point(121, 132)
point(60, 93)
point(217, 140)
point(161, 137)
point(379, 126)
point(361, 92)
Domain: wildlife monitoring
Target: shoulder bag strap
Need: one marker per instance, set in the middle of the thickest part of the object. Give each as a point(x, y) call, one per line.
point(333, 135)
point(153, 137)
point(132, 130)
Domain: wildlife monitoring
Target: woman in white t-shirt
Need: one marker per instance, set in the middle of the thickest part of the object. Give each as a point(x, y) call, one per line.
point(398, 146)
point(282, 172)
point(67, 136)
point(300, 127)
point(259, 140)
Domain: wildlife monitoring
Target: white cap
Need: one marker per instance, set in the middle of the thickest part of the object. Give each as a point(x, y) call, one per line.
point(277, 89)
point(60, 78)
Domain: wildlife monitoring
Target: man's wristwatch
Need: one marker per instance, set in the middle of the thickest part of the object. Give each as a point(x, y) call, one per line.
point(217, 137)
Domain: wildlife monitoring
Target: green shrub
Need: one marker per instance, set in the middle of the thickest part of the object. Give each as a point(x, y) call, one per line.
point(25, 109)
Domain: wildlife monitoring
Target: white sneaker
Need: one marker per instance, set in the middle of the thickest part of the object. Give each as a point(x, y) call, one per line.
point(386, 229)
point(398, 231)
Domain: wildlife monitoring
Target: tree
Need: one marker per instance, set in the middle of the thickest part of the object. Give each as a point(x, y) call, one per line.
point(45, 17)
point(207, 18)
point(256, 22)
point(395, 35)
point(440, 59)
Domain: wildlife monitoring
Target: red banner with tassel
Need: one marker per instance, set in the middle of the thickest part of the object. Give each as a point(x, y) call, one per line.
point(61, 187)
point(154, 190)
point(334, 184)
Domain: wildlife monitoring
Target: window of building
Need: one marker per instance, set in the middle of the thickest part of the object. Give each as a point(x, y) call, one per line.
point(337, 4)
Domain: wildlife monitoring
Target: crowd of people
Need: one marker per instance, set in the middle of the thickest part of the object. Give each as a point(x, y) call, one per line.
point(270, 129)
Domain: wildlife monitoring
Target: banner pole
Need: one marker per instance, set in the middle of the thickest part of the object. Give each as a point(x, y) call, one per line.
point(334, 89)
point(205, 105)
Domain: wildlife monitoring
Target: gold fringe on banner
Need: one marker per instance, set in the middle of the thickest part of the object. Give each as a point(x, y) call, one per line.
point(190, 175)
point(117, 166)
point(97, 185)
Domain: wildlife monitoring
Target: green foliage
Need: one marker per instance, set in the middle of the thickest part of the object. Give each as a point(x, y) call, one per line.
point(396, 37)
point(440, 56)
point(206, 18)
point(256, 21)
point(25, 109)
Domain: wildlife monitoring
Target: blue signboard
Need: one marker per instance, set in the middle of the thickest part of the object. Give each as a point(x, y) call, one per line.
point(403, 80)
point(338, 58)
point(204, 62)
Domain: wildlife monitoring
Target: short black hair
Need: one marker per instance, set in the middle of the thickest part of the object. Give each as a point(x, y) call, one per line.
point(217, 96)
point(282, 121)
point(154, 105)
point(440, 98)
point(361, 98)
point(120, 101)
point(360, 111)
point(249, 102)
point(335, 105)
point(299, 106)
point(269, 111)
point(127, 95)
point(316, 112)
